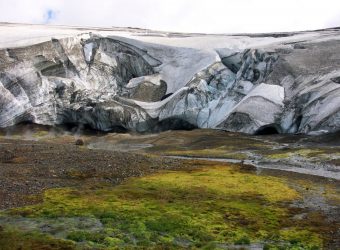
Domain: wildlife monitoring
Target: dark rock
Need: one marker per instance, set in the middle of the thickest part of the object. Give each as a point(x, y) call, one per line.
point(79, 142)
point(149, 92)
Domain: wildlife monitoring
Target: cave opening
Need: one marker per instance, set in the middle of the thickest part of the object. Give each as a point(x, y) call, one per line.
point(118, 129)
point(78, 128)
point(298, 121)
point(173, 124)
point(267, 130)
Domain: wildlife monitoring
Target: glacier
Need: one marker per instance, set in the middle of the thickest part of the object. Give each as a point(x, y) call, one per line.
point(149, 81)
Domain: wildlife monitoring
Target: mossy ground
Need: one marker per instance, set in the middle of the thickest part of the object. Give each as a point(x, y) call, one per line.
point(202, 208)
point(209, 207)
point(308, 153)
point(219, 144)
point(13, 239)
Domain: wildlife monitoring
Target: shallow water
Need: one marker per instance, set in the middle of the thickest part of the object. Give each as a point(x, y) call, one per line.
point(321, 172)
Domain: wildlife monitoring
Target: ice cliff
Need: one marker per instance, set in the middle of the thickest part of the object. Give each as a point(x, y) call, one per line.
point(146, 81)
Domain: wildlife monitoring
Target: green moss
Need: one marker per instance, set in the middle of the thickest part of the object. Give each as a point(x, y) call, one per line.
point(300, 237)
point(40, 133)
point(280, 155)
point(199, 208)
point(203, 143)
point(12, 239)
point(243, 240)
point(296, 239)
point(302, 152)
point(81, 236)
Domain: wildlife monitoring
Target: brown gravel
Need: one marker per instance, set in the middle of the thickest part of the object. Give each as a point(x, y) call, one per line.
point(28, 167)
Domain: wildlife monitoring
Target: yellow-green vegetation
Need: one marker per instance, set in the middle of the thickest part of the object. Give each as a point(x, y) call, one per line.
point(39, 134)
point(208, 141)
point(13, 239)
point(178, 209)
point(302, 152)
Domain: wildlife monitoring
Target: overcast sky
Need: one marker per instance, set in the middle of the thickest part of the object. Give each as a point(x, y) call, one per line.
point(211, 16)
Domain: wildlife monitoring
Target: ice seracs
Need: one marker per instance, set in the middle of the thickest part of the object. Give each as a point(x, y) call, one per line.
point(127, 80)
point(257, 110)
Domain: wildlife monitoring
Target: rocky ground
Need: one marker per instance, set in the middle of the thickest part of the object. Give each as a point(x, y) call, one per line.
point(40, 163)
point(313, 155)
point(29, 167)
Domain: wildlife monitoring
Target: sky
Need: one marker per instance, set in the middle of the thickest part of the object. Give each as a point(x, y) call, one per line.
point(209, 16)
